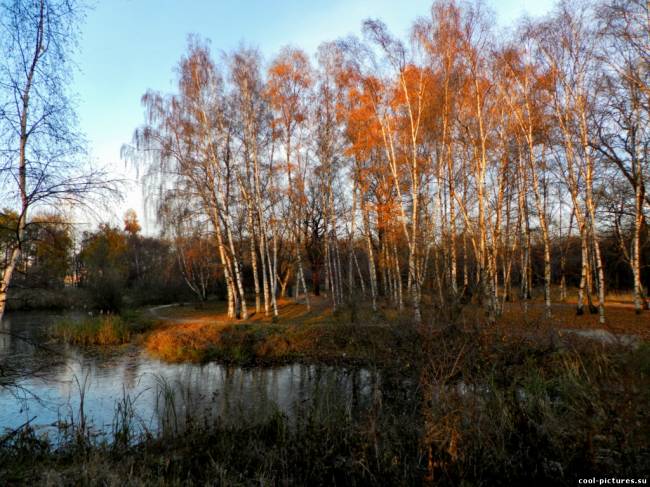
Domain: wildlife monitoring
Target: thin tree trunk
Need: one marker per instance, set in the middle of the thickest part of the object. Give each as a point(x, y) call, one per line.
point(301, 275)
point(237, 271)
point(25, 94)
point(339, 270)
point(361, 279)
point(273, 272)
point(398, 279)
point(583, 272)
point(253, 250)
point(330, 273)
point(601, 280)
point(639, 298)
point(541, 211)
point(371, 261)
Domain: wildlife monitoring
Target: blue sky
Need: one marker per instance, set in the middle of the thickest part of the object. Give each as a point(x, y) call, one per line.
point(129, 46)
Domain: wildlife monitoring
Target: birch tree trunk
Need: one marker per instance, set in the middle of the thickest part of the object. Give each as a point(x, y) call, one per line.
point(639, 295)
point(22, 96)
point(371, 258)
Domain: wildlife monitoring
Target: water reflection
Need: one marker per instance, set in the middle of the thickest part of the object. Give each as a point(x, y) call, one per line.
point(159, 395)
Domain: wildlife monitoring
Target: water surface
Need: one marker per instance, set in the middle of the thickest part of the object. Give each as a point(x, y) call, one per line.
point(51, 384)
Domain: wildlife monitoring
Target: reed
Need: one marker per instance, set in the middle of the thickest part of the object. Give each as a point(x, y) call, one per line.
point(102, 330)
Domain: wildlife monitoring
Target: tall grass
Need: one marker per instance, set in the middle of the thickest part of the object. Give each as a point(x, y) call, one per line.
point(476, 408)
point(508, 412)
point(323, 442)
point(102, 330)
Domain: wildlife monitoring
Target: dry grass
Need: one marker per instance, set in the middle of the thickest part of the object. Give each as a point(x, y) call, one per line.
point(179, 341)
point(297, 334)
point(517, 318)
point(104, 330)
point(478, 408)
point(349, 334)
point(248, 343)
point(510, 410)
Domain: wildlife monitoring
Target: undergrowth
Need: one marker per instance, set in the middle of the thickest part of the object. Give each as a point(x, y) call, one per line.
point(102, 330)
point(474, 407)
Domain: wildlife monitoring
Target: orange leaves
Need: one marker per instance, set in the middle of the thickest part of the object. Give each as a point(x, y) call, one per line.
point(359, 113)
point(131, 224)
point(197, 70)
point(289, 79)
point(387, 216)
point(292, 67)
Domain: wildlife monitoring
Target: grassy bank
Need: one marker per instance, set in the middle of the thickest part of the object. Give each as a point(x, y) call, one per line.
point(102, 330)
point(297, 334)
point(255, 343)
point(477, 409)
point(352, 335)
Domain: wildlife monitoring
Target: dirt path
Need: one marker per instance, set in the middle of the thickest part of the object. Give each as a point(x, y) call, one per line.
point(154, 310)
point(603, 336)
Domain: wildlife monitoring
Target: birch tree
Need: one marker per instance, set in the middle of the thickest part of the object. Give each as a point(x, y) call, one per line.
point(40, 145)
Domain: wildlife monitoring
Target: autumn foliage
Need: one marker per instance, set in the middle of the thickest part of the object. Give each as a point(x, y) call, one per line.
point(462, 164)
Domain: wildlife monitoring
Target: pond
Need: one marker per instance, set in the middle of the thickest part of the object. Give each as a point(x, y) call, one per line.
point(49, 385)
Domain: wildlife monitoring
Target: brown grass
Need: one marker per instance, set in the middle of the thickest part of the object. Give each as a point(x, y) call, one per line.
point(297, 334)
point(178, 341)
point(347, 336)
point(620, 319)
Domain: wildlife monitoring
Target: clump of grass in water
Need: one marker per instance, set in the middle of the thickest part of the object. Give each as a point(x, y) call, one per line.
point(100, 330)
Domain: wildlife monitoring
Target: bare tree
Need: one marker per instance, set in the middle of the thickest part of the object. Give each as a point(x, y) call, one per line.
point(41, 148)
point(567, 47)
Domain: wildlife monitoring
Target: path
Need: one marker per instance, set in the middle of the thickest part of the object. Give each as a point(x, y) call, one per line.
point(603, 336)
point(170, 319)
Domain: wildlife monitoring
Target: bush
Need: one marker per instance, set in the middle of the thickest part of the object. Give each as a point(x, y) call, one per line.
point(106, 294)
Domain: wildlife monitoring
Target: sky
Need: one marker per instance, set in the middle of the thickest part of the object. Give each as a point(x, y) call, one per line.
point(130, 46)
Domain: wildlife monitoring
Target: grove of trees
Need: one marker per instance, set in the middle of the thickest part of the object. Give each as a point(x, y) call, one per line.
point(109, 267)
point(464, 162)
point(114, 264)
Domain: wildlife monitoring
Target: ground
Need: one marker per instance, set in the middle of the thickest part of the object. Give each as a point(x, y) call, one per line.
point(298, 334)
point(359, 335)
point(620, 319)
